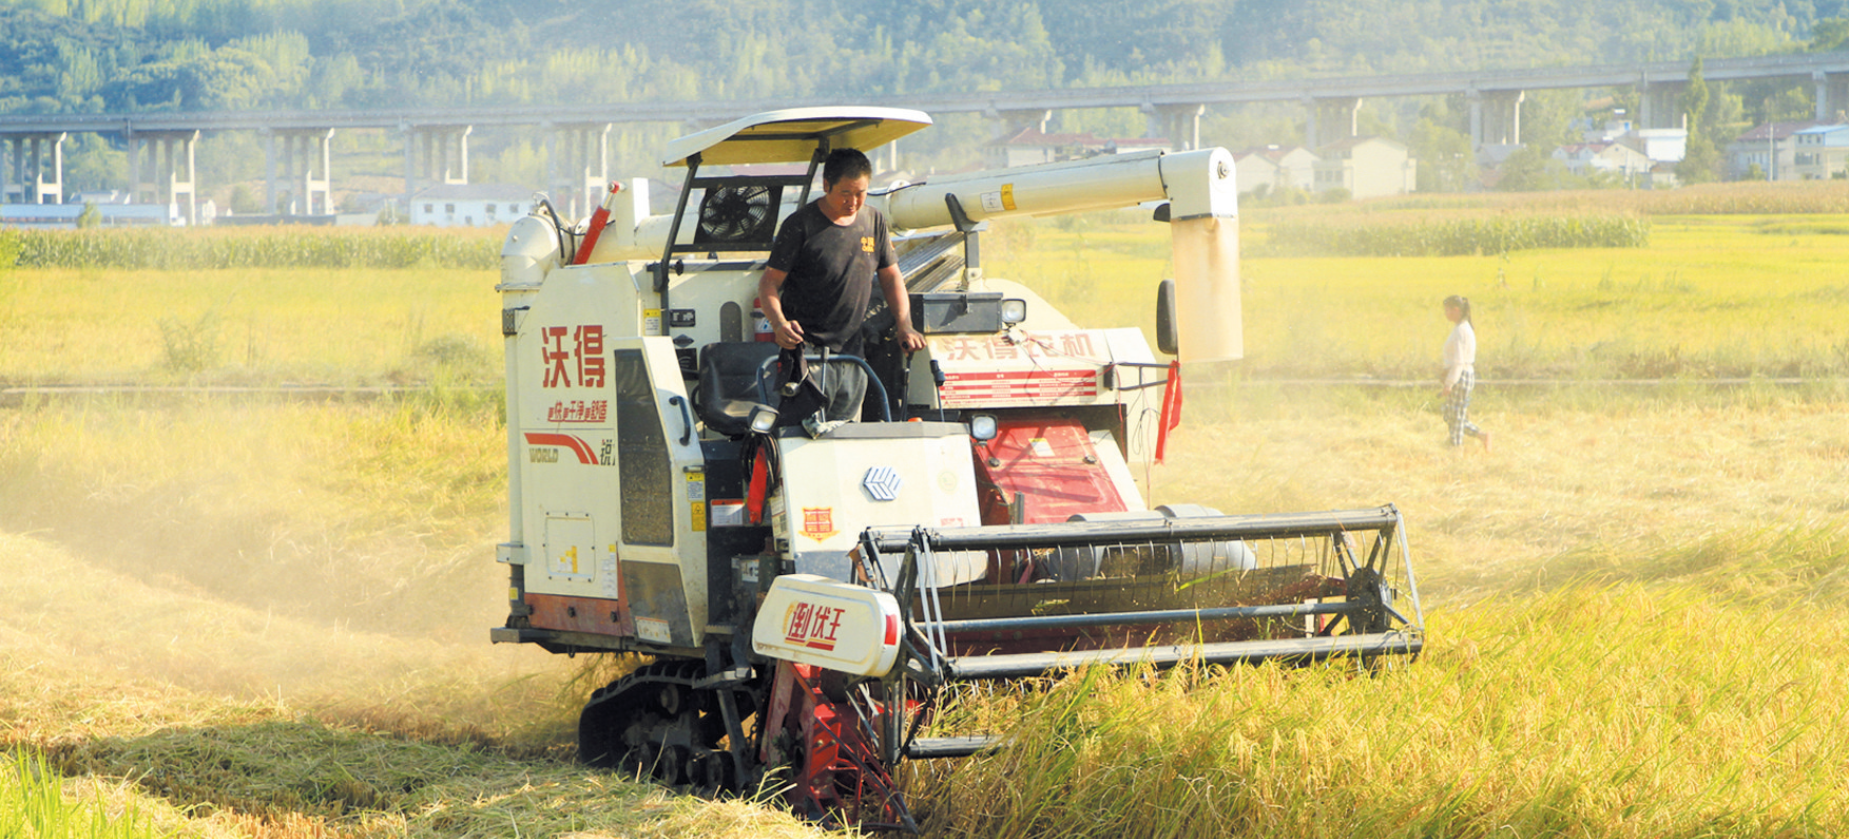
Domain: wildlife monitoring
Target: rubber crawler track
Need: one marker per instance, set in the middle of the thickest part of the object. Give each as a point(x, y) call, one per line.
point(655, 722)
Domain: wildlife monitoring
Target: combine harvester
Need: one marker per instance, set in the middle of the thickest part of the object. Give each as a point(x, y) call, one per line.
point(806, 600)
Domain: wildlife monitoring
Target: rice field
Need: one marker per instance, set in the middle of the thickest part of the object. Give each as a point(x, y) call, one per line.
point(248, 326)
point(237, 616)
point(1711, 296)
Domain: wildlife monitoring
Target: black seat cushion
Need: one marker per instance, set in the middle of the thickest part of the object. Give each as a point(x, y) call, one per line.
point(728, 384)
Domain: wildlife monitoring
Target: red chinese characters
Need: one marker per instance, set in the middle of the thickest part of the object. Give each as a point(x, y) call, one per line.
point(578, 410)
point(814, 625)
point(961, 349)
point(572, 354)
point(1035, 346)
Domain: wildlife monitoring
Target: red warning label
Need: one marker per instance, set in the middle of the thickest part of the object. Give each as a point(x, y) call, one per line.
point(1019, 387)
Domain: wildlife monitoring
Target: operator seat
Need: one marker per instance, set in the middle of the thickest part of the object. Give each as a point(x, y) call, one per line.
point(729, 384)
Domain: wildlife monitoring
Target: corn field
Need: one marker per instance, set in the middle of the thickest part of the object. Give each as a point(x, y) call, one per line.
point(294, 248)
point(1732, 198)
point(9, 249)
point(1463, 236)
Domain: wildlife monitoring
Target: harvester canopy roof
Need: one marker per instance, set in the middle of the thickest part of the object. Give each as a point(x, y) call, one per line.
point(791, 135)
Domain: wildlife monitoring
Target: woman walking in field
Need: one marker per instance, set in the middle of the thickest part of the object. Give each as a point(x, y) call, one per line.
point(1460, 376)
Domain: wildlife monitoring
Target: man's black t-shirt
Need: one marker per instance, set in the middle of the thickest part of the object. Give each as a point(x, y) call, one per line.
point(831, 271)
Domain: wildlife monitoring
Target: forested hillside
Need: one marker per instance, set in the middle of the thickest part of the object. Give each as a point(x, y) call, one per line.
point(81, 55)
point(140, 55)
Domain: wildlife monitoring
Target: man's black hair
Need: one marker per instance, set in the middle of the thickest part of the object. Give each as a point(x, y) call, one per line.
point(845, 163)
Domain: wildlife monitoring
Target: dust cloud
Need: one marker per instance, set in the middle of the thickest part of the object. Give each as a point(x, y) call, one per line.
point(258, 555)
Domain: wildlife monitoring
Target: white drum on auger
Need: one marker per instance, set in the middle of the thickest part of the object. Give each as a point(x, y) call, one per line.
point(809, 619)
point(1189, 559)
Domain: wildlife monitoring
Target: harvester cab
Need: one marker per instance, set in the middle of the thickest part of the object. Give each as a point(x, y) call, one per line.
point(805, 596)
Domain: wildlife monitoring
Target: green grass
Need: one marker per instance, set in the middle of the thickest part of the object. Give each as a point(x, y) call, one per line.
point(33, 805)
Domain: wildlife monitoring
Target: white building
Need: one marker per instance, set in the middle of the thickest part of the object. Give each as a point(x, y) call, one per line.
point(470, 205)
point(1368, 167)
point(64, 216)
point(1822, 152)
point(1275, 168)
point(1661, 145)
point(1772, 147)
point(1617, 158)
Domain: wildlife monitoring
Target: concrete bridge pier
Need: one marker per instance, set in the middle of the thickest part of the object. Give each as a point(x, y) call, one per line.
point(1008, 122)
point(584, 148)
point(306, 168)
point(435, 154)
point(1832, 96)
point(1179, 124)
point(1332, 118)
point(1496, 117)
point(33, 157)
point(171, 155)
point(1660, 104)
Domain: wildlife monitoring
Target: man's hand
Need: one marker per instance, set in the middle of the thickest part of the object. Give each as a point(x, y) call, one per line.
point(789, 335)
point(911, 339)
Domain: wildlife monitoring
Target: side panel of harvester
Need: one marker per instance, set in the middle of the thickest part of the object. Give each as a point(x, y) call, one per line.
point(611, 470)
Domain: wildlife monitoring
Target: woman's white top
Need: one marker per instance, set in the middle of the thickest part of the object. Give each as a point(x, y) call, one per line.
point(1460, 352)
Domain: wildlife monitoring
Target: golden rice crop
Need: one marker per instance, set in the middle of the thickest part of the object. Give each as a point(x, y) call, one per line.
point(1708, 296)
point(1588, 711)
point(248, 326)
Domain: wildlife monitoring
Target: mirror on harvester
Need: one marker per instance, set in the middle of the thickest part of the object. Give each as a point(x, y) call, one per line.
point(1168, 339)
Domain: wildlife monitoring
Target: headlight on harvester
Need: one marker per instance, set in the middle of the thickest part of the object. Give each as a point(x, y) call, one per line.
point(982, 427)
point(1014, 311)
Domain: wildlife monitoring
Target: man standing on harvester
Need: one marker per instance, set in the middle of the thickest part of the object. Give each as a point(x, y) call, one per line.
point(819, 281)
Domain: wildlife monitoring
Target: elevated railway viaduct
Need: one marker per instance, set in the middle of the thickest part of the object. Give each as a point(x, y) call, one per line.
point(162, 146)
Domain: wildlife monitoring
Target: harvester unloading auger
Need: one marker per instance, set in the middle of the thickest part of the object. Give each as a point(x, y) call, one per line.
point(806, 597)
